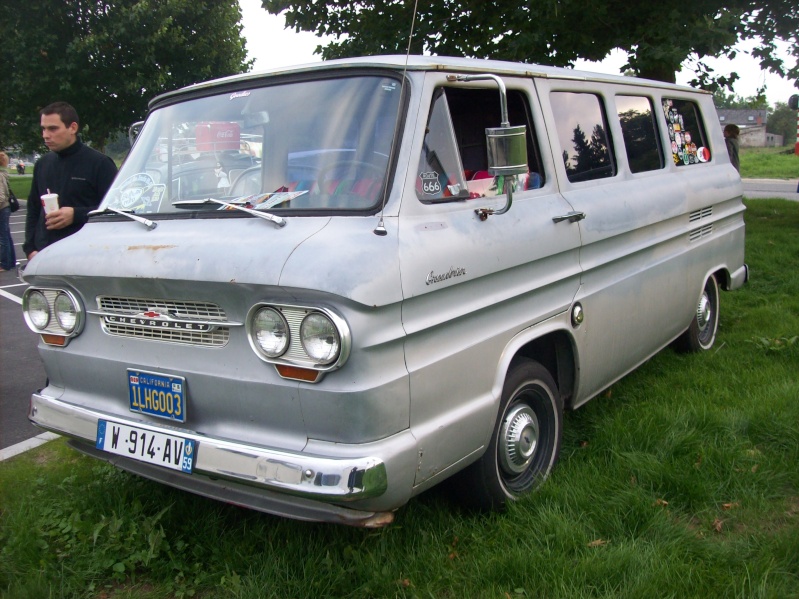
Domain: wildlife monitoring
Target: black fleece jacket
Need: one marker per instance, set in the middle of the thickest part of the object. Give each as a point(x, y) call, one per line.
point(80, 176)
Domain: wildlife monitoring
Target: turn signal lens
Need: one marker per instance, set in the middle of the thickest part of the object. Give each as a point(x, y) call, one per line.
point(38, 310)
point(270, 332)
point(320, 338)
point(65, 312)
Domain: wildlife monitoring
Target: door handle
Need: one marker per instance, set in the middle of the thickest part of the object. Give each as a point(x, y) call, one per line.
point(572, 217)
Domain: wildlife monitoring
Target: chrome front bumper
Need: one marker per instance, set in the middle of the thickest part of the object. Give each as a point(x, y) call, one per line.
point(278, 473)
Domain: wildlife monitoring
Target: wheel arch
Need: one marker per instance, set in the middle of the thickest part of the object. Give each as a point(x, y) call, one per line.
point(555, 351)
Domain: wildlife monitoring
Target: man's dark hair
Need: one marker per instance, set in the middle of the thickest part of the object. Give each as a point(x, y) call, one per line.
point(67, 113)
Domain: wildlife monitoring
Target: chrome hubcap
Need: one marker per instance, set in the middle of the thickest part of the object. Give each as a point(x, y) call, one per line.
point(703, 312)
point(518, 439)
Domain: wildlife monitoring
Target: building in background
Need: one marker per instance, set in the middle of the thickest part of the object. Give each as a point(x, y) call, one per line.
point(752, 123)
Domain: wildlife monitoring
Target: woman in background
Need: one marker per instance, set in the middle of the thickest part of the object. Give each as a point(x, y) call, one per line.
point(731, 133)
point(8, 256)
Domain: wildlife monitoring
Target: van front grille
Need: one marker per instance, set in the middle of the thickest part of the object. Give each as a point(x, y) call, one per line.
point(165, 311)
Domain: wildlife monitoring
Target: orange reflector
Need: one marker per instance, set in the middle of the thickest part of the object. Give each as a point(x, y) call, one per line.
point(296, 373)
point(54, 340)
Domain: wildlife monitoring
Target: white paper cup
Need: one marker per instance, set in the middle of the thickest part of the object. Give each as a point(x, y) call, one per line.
point(50, 202)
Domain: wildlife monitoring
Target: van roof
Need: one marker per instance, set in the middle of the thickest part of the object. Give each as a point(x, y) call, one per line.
point(428, 63)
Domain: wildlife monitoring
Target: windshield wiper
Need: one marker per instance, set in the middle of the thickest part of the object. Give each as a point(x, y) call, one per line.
point(280, 222)
point(145, 221)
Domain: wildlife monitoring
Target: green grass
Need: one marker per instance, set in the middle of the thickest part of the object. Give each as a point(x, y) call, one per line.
point(769, 163)
point(680, 481)
point(21, 186)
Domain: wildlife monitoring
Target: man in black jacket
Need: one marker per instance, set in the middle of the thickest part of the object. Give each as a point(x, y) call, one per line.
point(78, 174)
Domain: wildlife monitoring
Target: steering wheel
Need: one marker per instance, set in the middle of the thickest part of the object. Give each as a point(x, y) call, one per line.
point(347, 166)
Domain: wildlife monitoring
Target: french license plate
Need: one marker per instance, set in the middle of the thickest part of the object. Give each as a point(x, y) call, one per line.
point(161, 449)
point(156, 394)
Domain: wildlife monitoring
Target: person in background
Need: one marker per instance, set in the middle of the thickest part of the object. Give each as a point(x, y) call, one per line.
point(731, 133)
point(8, 256)
point(78, 174)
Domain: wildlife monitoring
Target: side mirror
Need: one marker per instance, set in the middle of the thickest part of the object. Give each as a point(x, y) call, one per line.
point(133, 131)
point(793, 102)
point(507, 150)
point(507, 146)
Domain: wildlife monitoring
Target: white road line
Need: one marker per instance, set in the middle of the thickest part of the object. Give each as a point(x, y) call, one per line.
point(11, 296)
point(14, 450)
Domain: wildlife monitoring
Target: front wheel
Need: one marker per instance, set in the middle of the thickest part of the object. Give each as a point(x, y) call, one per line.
point(524, 444)
point(701, 334)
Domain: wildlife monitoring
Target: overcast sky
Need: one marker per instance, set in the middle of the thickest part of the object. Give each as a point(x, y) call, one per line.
point(271, 45)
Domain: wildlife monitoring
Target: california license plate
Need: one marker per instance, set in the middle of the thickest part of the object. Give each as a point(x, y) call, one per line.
point(161, 449)
point(156, 394)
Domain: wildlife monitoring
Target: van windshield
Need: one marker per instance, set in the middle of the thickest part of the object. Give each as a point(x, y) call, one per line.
point(317, 146)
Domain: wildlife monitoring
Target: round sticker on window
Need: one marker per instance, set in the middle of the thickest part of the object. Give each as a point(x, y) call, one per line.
point(703, 154)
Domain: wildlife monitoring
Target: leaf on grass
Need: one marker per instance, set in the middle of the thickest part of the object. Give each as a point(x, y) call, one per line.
point(718, 525)
point(597, 543)
point(661, 503)
point(405, 582)
point(583, 443)
point(731, 505)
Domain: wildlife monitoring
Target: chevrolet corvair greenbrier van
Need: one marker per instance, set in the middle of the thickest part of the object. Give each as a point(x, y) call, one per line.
point(319, 291)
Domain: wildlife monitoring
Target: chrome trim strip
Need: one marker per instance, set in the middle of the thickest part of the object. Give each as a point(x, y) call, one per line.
point(314, 477)
point(162, 321)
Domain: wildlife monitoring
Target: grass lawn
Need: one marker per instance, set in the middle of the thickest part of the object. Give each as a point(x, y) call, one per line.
point(680, 481)
point(21, 186)
point(769, 163)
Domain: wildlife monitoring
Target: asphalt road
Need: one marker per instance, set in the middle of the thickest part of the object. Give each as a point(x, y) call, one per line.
point(771, 188)
point(21, 370)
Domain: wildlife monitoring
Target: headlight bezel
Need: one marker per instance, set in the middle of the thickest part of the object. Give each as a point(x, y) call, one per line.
point(295, 354)
point(53, 330)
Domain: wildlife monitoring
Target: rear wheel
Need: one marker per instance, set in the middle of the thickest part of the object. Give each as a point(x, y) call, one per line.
point(524, 444)
point(701, 334)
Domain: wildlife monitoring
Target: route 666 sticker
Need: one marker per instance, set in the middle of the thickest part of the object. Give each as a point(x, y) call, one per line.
point(430, 183)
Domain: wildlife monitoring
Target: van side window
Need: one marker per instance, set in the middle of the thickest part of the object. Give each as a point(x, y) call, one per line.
point(454, 160)
point(686, 132)
point(639, 130)
point(440, 174)
point(583, 135)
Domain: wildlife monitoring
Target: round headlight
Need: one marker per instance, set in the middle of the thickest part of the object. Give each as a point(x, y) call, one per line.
point(38, 310)
point(320, 338)
point(66, 312)
point(270, 332)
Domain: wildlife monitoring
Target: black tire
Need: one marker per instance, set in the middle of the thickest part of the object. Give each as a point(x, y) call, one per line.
point(701, 334)
point(525, 442)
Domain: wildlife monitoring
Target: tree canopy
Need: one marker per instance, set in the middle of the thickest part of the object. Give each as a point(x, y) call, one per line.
point(659, 37)
point(108, 58)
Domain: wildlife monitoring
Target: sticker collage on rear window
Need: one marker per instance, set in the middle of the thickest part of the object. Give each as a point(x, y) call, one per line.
point(684, 150)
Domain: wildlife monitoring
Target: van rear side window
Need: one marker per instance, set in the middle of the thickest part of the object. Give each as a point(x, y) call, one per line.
point(583, 134)
point(639, 129)
point(686, 132)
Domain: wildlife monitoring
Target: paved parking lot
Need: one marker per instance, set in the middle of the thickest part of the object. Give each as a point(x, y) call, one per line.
point(21, 370)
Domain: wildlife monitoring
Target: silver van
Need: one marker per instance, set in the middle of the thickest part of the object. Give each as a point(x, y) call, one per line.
point(319, 291)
